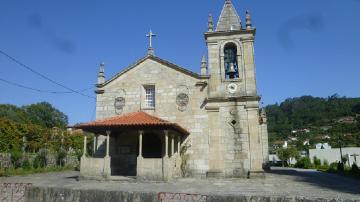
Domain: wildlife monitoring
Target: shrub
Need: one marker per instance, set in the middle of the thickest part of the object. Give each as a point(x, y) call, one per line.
point(184, 167)
point(303, 162)
point(26, 165)
point(324, 166)
point(340, 167)
point(317, 162)
point(60, 158)
point(326, 163)
point(355, 168)
point(333, 167)
point(40, 160)
point(16, 158)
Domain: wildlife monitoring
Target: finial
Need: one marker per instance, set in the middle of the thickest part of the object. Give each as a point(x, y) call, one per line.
point(102, 67)
point(101, 75)
point(210, 23)
point(203, 66)
point(248, 20)
point(227, 1)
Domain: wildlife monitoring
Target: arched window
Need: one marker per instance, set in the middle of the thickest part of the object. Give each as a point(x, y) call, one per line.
point(230, 61)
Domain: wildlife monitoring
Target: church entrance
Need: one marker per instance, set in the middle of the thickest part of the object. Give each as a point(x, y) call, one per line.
point(124, 152)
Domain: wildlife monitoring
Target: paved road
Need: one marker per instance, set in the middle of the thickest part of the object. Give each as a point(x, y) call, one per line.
point(278, 182)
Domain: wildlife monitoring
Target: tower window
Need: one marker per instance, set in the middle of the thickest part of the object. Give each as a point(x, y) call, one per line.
point(149, 96)
point(230, 61)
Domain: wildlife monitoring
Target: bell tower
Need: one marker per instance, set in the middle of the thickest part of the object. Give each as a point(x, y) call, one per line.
point(236, 138)
point(231, 55)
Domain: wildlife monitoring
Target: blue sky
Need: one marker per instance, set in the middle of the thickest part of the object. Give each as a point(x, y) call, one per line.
point(303, 47)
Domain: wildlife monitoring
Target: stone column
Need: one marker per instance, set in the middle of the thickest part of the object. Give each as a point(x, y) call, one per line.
point(107, 159)
point(165, 159)
point(166, 143)
point(140, 142)
point(172, 145)
point(179, 145)
point(107, 142)
point(94, 144)
point(84, 151)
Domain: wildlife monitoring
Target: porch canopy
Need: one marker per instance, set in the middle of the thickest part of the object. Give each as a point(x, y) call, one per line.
point(131, 121)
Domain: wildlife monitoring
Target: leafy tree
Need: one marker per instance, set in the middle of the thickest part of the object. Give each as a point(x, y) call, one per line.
point(11, 137)
point(356, 109)
point(13, 113)
point(285, 154)
point(46, 115)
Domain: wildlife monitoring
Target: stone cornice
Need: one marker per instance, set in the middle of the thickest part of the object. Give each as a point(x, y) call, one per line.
point(233, 99)
point(98, 91)
point(229, 33)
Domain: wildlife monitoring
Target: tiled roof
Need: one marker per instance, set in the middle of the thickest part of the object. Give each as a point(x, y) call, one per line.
point(135, 120)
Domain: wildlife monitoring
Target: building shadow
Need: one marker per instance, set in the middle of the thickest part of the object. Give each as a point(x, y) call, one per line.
point(324, 180)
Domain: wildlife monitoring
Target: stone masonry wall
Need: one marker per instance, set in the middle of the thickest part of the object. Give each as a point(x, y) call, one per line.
point(168, 83)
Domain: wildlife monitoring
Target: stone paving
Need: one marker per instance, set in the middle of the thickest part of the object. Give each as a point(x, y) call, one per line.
point(281, 182)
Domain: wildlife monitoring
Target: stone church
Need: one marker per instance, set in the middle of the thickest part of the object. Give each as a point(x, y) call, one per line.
point(159, 121)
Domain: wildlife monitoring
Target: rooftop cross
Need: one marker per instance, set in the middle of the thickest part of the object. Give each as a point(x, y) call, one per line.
point(150, 35)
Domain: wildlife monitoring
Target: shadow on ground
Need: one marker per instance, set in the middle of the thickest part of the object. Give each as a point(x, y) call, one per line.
point(321, 179)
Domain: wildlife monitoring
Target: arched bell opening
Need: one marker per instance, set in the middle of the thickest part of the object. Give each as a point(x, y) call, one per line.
point(230, 61)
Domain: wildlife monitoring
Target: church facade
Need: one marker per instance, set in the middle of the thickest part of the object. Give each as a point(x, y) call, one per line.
point(156, 120)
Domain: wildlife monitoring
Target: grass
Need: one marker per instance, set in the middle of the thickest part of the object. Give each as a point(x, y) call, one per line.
point(21, 171)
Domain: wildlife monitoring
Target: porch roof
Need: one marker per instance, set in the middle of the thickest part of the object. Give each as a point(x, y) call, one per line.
point(135, 120)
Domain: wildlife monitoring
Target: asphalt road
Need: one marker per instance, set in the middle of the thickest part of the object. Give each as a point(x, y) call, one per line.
point(280, 182)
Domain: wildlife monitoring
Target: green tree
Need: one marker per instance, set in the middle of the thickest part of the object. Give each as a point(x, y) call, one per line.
point(44, 114)
point(10, 136)
point(285, 154)
point(356, 109)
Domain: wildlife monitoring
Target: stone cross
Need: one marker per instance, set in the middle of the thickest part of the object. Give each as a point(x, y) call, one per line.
point(355, 155)
point(150, 35)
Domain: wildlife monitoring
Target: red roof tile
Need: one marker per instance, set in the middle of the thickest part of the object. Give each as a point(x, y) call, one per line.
point(134, 119)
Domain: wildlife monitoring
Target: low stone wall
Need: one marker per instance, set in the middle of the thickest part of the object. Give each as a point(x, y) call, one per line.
point(92, 168)
point(50, 194)
point(150, 168)
point(5, 160)
point(70, 160)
